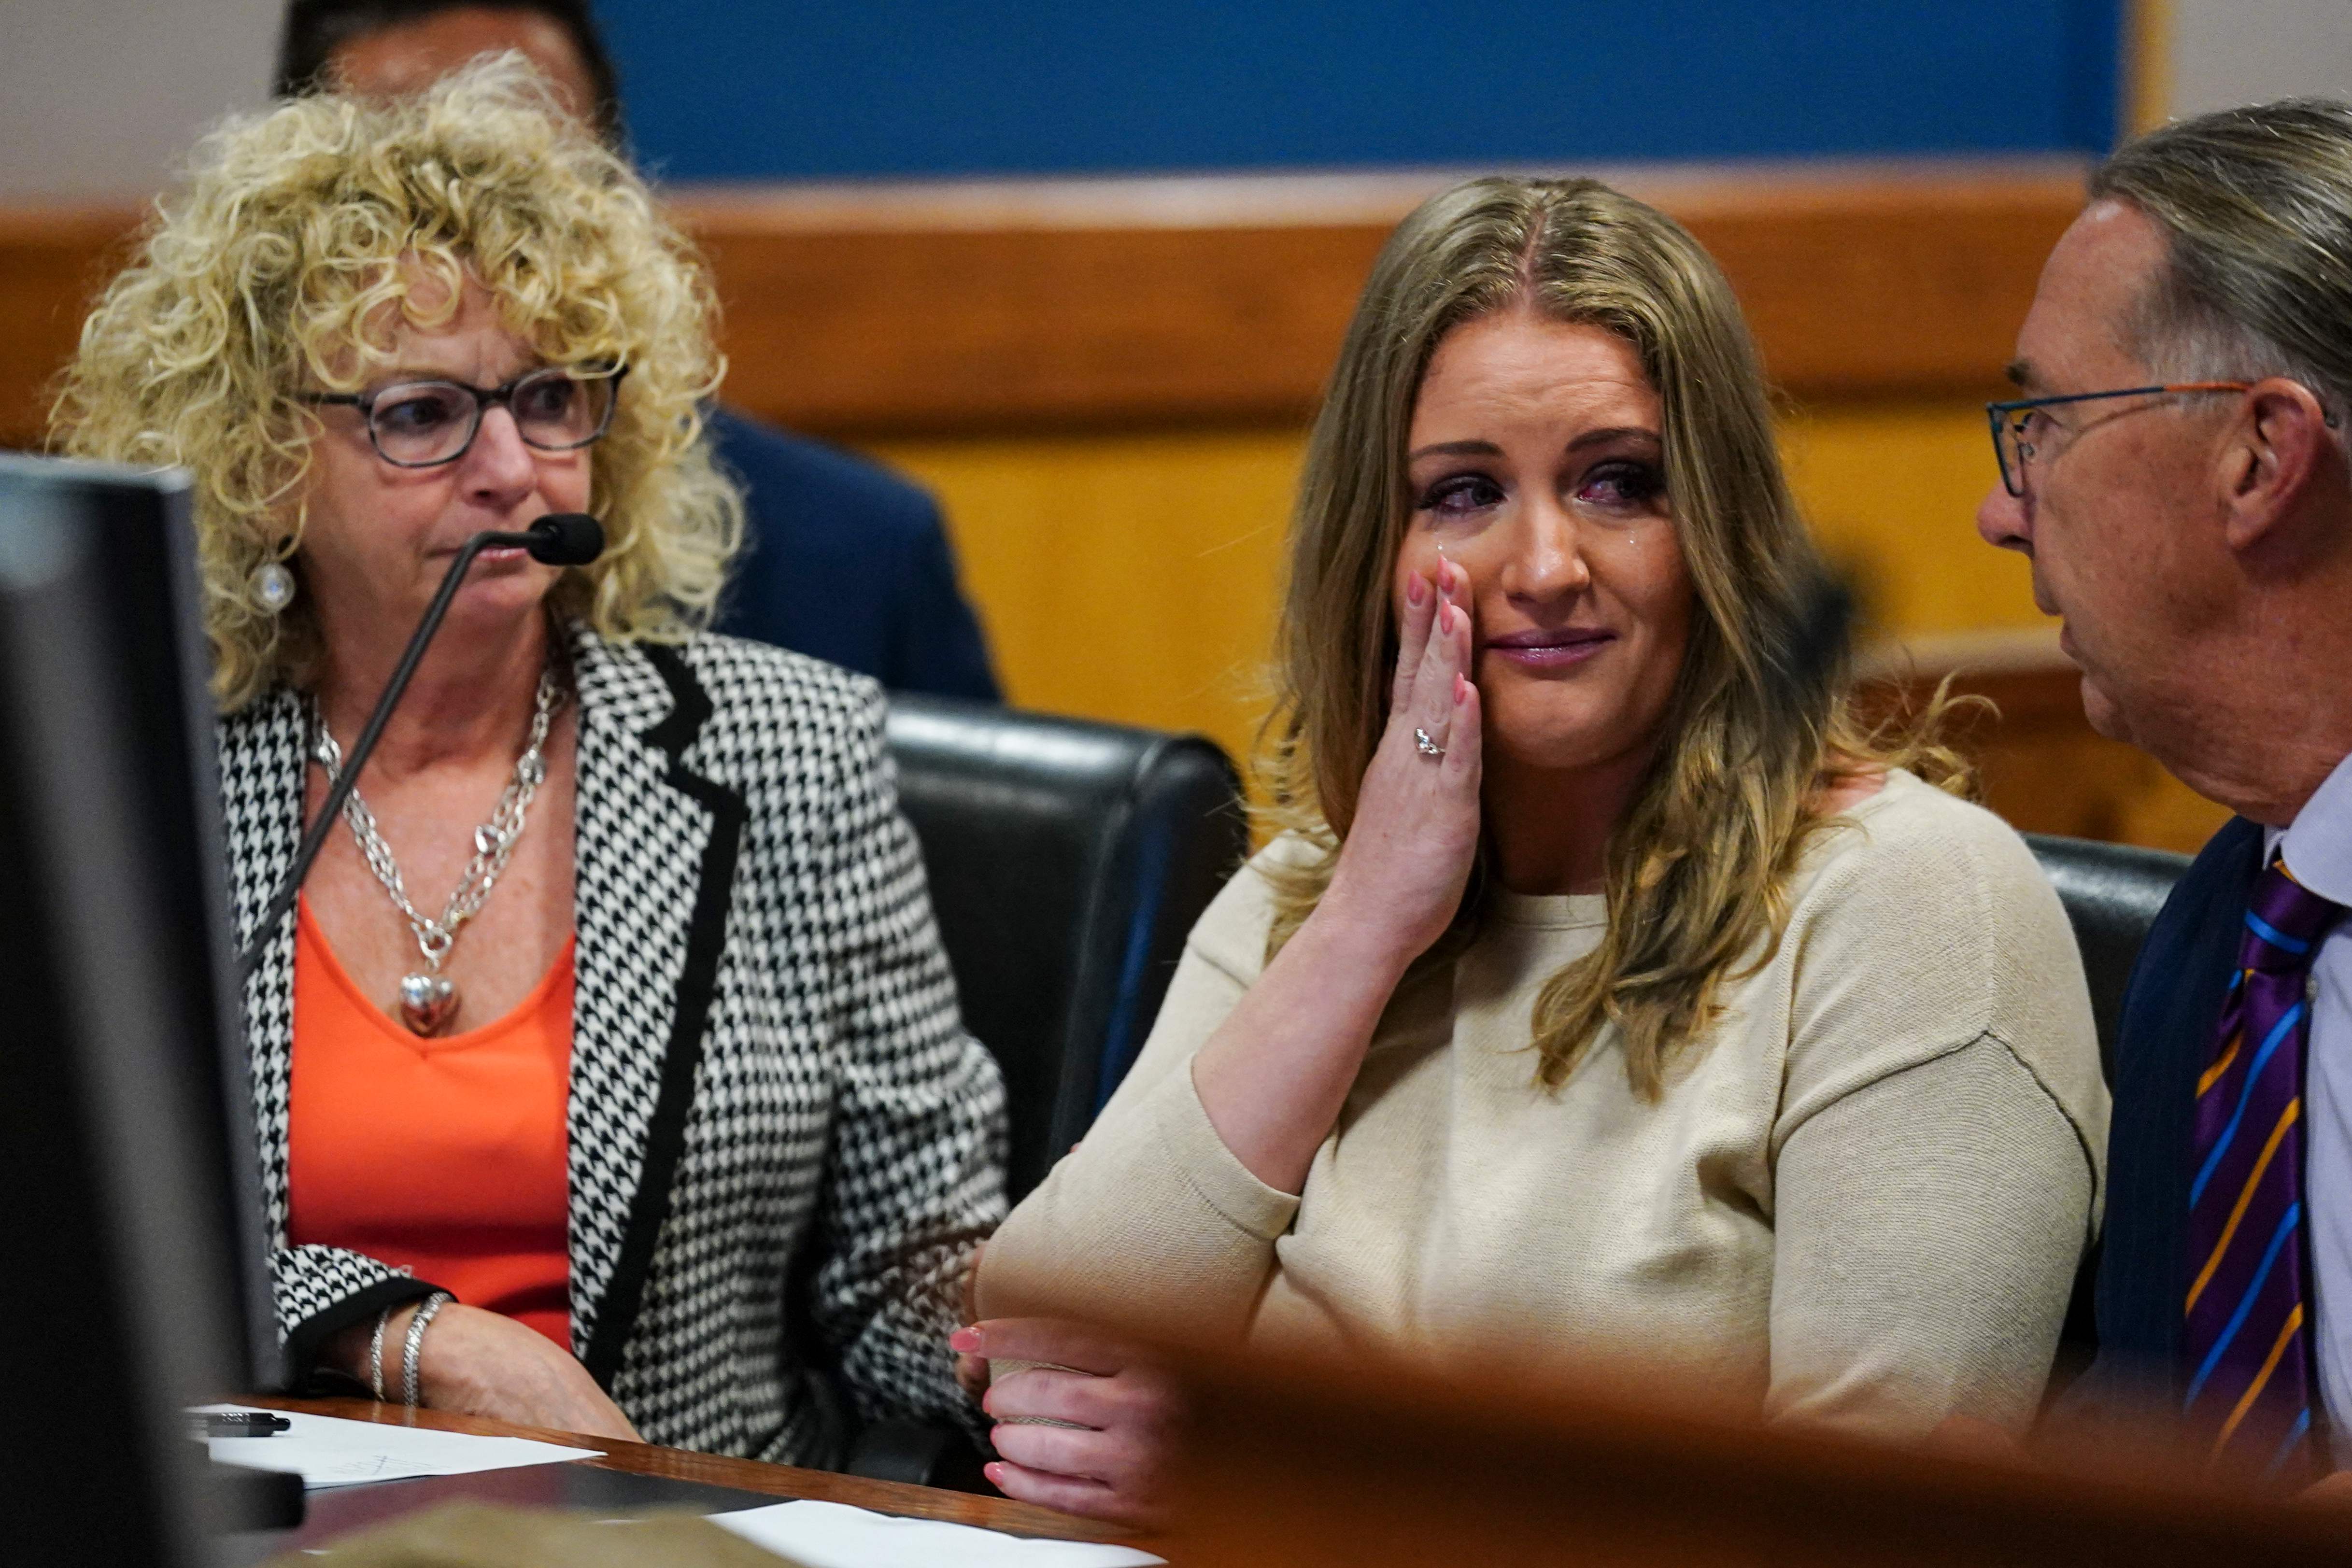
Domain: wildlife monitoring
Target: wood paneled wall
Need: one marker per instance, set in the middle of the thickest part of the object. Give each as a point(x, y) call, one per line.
point(1008, 307)
point(53, 260)
point(1107, 381)
point(1019, 307)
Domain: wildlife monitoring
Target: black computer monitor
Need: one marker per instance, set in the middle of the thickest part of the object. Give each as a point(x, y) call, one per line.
point(134, 1255)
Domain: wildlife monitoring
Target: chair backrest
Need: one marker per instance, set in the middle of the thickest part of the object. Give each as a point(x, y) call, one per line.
point(1067, 862)
point(2112, 894)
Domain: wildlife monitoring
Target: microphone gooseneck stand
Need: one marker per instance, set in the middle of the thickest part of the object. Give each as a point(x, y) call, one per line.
point(560, 538)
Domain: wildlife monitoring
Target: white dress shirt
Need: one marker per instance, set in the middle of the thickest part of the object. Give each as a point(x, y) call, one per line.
point(2318, 849)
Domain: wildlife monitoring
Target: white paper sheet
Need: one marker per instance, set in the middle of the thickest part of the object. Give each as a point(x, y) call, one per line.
point(834, 1535)
point(327, 1451)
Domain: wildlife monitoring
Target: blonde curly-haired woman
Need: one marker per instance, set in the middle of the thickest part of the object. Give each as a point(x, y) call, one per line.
point(1610, 990)
point(610, 1066)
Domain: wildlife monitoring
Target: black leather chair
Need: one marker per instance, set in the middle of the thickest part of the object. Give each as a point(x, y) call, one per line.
point(1067, 861)
point(2112, 894)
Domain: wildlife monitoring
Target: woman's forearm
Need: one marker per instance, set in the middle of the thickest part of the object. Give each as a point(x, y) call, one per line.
point(1275, 1074)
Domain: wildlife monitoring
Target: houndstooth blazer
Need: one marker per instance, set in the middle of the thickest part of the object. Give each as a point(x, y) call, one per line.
point(784, 1146)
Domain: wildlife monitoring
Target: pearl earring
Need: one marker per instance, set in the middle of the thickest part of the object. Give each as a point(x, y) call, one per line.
point(273, 587)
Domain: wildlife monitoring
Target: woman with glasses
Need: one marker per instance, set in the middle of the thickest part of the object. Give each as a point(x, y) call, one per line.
point(609, 1064)
point(1608, 989)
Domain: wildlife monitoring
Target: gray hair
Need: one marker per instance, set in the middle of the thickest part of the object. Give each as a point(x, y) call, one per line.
point(2256, 207)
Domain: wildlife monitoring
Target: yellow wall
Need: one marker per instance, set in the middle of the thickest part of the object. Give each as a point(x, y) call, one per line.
point(1892, 491)
point(1133, 576)
point(1122, 577)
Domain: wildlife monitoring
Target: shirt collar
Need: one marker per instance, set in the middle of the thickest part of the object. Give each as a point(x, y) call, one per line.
point(2318, 843)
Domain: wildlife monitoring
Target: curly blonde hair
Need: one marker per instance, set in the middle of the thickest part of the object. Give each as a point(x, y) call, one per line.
point(1698, 870)
point(303, 236)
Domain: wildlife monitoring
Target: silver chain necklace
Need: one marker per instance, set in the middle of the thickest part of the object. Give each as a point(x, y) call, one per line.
point(428, 997)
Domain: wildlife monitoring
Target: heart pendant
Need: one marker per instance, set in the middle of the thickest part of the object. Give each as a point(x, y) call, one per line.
point(426, 1001)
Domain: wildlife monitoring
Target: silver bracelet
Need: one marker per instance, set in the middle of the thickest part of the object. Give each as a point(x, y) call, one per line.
point(411, 1354)
point(375, 1354)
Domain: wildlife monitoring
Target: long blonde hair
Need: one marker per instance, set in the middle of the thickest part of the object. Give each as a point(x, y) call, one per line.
point(302, 234)
point(1698, 871)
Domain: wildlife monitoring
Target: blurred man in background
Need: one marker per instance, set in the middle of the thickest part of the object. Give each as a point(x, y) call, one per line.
point(847, 561)
point(2177, 473)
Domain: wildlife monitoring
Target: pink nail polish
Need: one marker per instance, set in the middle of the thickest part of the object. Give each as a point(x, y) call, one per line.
point(1445, 614)
point(1461, 691)
point(1416, 588)
point(965, 1340)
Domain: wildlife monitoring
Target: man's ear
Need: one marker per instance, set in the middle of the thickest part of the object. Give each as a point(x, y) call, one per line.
point(2283, 438)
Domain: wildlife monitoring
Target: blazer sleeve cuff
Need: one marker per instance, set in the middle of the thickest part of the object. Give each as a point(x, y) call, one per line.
point(306, 1339)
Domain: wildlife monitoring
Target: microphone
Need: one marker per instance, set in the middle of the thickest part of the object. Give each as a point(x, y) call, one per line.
point(559, 539)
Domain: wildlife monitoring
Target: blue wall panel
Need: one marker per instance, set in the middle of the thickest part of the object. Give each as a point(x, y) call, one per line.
point(723, 89)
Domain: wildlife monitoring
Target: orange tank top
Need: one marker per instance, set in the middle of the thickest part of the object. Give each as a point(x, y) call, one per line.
point(444, 1156)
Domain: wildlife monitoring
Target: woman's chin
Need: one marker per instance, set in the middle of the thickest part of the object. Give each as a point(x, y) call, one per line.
point(497, 604)
point(1549, 740)
point(1573, 752)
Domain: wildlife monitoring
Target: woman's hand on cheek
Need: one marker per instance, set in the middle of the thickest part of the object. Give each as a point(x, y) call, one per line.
point(1107, 1457)
point(1409, 850)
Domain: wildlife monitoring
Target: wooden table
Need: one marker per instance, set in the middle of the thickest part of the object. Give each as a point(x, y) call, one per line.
point(783, 1481)
point(1329, 1464)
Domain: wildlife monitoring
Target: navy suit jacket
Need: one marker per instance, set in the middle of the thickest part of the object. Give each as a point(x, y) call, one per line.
point(2171, 1010)
point(846, 562)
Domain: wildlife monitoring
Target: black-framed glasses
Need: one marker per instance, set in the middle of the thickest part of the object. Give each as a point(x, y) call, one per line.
point(425, 423)
point(2015, 424)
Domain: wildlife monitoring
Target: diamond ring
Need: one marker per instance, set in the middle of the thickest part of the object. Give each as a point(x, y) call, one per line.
point(1425, 746)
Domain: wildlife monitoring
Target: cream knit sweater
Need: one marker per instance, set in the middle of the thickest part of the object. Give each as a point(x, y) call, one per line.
point(1861, 1200)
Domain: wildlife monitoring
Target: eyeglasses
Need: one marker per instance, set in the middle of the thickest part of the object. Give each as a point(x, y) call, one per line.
point(2015, 424)
point(421, 425)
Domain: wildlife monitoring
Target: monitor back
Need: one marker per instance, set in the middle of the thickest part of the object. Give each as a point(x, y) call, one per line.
point(134, 1223)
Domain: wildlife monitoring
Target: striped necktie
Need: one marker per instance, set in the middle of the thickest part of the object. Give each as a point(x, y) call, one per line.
point(2253, 1379)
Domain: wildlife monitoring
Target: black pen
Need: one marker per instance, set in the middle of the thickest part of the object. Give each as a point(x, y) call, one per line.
point(235, 1424)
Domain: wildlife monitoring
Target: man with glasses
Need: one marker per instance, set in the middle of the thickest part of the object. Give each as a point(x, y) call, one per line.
point(2176, 471)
